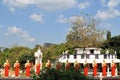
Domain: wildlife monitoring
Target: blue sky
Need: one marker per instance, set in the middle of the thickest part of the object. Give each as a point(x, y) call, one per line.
point(31, 22)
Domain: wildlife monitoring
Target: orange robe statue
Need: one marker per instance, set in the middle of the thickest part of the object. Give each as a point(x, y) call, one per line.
point(6, 68)
point(86, 67)
point(76, 66)
point(113, 68)
point(16, 67)
point(38, 68)
point(95, 69)
point(67, 66)
point(58, 66)
point(27, 66)
point(104, 67)
point(48, 64)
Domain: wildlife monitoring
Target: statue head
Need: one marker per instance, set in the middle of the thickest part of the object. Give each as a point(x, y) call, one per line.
point(48, 61)
point(17, 61)
point(67, 61)
point(112, 61)
point(76, 61)
point(85, 61)
point(28, 61)
point(104, 61)
point(7, 61)
point(94, 61)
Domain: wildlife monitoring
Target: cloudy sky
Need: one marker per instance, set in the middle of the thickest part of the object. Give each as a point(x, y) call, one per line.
point(31, 22)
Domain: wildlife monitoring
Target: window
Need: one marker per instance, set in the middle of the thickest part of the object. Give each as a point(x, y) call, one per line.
point(91, 51)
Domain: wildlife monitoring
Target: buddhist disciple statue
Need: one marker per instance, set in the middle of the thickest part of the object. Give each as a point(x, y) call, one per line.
point(27, 70)
point(6, 68)
point(104, 67)
point(86, 67)
point(67, 65)
point(113, 68)
point(58, 66)
point(48, 64)
point(16, 68)
point(94, 68)
point(76, 66)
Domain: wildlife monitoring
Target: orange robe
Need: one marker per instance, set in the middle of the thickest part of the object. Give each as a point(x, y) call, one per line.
point(58, 66)
point(113, 68)
point(6, 67)
point(67, 66)
point(86, 69)
point(27, 69)
point(38, 68)
point(77, 67)
point(104, 70)
point(17, 66)
point(95, 70)
point(48, 65)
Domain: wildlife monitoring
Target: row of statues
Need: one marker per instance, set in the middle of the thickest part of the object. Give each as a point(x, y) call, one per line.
point(95, 67)
point(16, 69)
point(86, 67)
point(58, 67)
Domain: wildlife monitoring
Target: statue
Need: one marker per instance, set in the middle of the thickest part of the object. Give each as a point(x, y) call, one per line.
point(17, 68)
point(113, 68)
point(27, 70)
point(95, 66)
point(86, 67)
point(38, 58)
point(6, 68)
point(104, 67)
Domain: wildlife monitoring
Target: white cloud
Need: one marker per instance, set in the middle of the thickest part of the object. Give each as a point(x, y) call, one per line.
point(55, 4)
point(12, 4)
point(83, 5)
point(108, 14)
point(63, 19)
point(42, 4)
point(19, 33)
point(37, 17)
point(103, 2)
point(113, 3)
point(112, 10)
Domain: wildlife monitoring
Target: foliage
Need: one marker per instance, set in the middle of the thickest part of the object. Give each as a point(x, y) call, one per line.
point(53, 74)
point(114, 44)
point(24, 56)
point(108, 35)
point(84, 33)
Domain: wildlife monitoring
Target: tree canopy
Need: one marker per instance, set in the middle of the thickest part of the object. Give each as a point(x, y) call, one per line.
point(84, 33)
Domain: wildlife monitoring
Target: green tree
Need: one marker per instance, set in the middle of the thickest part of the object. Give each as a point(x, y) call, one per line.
point(108, 35)
point(84, 33)
point(24, 56)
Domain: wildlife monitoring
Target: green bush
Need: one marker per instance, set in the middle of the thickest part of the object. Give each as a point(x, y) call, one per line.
point(53, 74)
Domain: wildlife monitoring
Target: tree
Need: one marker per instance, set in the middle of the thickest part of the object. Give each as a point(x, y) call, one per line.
point(84, 33)
point(108, 35)
point(24, 56)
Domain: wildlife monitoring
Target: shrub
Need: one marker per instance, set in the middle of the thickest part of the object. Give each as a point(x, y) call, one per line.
point(53, 74)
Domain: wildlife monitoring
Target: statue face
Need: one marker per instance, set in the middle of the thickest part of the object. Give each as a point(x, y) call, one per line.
point(28, 61)
point(85, 61)
point(16, 61)
point(6, 60)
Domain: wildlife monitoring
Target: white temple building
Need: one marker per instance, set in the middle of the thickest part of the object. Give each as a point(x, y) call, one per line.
point(90, 54)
